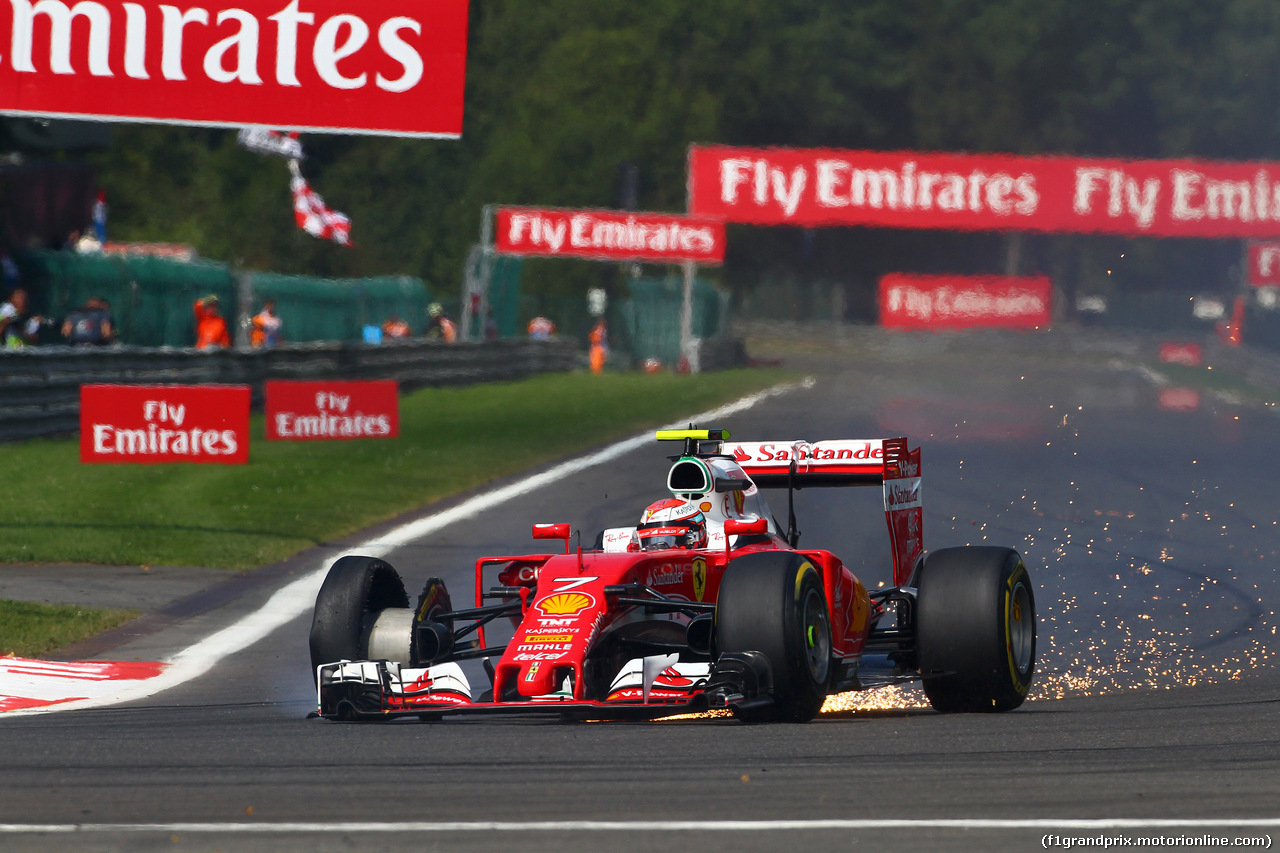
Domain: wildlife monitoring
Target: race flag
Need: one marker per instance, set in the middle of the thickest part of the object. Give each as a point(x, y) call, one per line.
point(313, 215)
point(265, 141)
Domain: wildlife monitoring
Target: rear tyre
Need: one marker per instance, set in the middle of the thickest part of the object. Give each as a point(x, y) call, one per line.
point(354, 592)
point(975, 629)
point(772, 602)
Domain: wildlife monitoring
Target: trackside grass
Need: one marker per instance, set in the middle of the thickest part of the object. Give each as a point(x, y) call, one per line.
point(294, 495)
point(1216, 379)
point(28, 629)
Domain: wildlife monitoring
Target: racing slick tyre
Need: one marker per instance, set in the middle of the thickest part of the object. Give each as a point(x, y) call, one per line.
point(772, 602)
point(355, 589)
point(975, 629)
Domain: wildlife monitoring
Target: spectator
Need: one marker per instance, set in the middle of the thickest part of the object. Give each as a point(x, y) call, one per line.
point(91, 324)
point(18, 326)
point(439, 325)
point(211, 328)
point(88, 245)
point(9, 271)
point(395, 327)
point(266, 326)
point(540, 328)
point(599, 351)
point(100, 218)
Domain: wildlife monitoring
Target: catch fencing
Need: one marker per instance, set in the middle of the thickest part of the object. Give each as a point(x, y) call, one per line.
point(40, 386)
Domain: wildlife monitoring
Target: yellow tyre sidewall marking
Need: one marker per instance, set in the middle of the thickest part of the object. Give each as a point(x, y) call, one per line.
point(1019, 683)
point(806, 566)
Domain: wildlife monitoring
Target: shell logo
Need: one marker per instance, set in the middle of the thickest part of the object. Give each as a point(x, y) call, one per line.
point(565, 603)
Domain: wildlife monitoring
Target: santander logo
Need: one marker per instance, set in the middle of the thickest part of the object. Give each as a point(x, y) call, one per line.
point(902, 494)
point(836, 452)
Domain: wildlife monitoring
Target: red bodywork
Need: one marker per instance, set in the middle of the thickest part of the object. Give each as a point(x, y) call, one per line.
point(566, 608)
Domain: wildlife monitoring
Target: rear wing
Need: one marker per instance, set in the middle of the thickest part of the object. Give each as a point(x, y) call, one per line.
point(838, 462)
point(847, 462)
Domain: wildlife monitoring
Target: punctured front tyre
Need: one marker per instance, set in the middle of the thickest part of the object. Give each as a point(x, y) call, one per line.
point(975, 629)
point(355, 589)
point(772, 602)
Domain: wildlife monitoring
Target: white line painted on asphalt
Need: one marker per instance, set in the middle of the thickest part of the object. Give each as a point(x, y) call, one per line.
point(640, 825)
point(299, 596)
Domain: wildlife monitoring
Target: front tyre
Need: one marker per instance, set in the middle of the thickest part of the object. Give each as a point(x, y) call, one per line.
point(975, 629)
point(772, 602)
point(354, 593)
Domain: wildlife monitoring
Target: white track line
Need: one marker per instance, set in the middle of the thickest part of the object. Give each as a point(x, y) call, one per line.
point(299, 596)
point(1060, 824)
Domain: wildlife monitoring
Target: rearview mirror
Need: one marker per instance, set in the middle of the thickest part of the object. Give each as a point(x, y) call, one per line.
point(553, 531)
point(754, 526)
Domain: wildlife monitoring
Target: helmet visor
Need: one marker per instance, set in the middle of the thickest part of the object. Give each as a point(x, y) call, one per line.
point(661, 537)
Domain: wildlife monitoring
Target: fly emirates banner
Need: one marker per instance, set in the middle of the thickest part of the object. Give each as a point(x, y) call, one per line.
point(394, 67)
point(332, 410)
point(905, 189)
point(152, 424)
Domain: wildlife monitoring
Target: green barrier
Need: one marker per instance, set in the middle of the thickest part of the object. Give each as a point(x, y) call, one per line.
point(504, 296)
point(315, 309)
point(152, 299)
point(644, 322)
point(652, 316)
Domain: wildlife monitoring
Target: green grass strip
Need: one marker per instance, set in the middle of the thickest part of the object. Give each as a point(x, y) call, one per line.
point(293, 495)
point(1207, 378)
point(28, 629)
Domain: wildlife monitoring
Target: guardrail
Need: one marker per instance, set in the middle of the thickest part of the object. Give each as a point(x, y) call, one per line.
point(40, 386)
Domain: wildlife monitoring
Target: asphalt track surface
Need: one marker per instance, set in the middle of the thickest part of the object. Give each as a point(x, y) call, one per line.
point(1151, 536)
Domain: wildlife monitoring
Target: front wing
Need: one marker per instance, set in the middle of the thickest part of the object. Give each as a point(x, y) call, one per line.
point(369, 690)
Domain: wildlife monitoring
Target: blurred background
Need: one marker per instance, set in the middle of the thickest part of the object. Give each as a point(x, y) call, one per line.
point(593, 103)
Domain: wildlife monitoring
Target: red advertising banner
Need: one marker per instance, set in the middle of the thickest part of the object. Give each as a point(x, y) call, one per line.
point(970, 192)
point(1192, 355)
point(151, 424)
point(1264, 264)
point(609, 235)
point(955, 302)
point(319, 411)
point(173, 251)
point(395, 67)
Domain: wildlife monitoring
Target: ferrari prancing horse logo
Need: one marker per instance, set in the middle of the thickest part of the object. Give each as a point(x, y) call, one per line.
point(699, 577)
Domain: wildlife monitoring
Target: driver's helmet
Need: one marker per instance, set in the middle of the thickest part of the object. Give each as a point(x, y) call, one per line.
point(672, 523)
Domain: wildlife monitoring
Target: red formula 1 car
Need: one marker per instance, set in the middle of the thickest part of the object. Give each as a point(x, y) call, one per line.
point(705, 604)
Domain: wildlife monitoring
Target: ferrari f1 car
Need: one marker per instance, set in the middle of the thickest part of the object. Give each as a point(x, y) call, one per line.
point(706, 604)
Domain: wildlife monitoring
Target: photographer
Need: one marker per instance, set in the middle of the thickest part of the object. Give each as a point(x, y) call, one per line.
point(90, 325)
point(18, 327)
